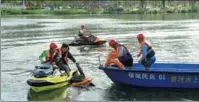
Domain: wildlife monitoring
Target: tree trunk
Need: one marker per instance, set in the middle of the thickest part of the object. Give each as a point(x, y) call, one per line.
point(163, 3)
point(2, 1)
point(168, 2)
point(193, 4)
point(142, 3)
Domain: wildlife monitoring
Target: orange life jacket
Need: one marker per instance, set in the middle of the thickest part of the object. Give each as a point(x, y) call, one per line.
point(65, 57)
point(50, 56)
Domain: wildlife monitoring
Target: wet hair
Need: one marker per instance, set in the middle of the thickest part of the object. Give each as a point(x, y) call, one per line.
point(64, 45)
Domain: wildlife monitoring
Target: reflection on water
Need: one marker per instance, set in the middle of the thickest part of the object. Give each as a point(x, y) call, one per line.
point(51, 95)
point(117, 92)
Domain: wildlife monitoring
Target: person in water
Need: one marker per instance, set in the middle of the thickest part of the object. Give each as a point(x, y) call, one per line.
point(120, 56)
point(147, 52)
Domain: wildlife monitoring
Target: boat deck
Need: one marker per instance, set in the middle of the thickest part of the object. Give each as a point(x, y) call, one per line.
point(161, 67)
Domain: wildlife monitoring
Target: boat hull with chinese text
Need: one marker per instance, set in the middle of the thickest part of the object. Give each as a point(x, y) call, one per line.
point(165, 75)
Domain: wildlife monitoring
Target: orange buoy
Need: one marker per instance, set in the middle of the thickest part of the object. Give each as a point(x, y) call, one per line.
point(86, 81)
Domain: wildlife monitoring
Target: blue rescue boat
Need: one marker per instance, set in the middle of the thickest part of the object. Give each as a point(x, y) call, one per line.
point(162, 75)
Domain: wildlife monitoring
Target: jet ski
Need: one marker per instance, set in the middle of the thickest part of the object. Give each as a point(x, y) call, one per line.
point(95, 41)
point(43, 78)
point(61, 94)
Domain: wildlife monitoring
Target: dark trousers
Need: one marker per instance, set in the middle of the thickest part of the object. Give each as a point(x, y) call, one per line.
point(148, 62)
point(127, 63)
point(65, 67)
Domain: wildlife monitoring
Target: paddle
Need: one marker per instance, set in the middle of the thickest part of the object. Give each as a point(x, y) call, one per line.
point(82, 73)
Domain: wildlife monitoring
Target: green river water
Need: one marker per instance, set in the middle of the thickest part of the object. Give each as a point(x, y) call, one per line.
point(174, 37)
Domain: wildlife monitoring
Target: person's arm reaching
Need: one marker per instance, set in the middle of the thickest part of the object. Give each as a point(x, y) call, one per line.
point(43, 54)
point(70, 56)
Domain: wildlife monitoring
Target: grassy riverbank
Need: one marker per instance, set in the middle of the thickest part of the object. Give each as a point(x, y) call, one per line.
point(178, 9)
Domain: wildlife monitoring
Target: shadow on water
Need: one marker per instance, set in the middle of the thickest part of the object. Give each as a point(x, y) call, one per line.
point(120, 92)
point(53, 95)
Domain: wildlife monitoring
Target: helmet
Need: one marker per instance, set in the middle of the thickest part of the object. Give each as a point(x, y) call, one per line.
point(112, 42)
point(53, 45)
point(140, 36)
point(82, 26)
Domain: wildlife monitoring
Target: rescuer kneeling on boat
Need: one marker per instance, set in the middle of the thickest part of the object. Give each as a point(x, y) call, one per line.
point(65, 54)
point(120, 56)
point(147, 52)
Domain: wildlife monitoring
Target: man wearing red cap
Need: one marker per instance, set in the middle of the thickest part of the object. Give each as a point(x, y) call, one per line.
point(120, 56)
point(147, 52)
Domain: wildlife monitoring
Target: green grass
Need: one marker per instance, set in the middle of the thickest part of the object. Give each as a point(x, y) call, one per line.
point(151, 10)
point(43, 11)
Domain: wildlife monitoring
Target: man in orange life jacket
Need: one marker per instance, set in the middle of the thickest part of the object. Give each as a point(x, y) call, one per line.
point(119, 56)
point(52, 54)
point(65, 54)
point(147, 52)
